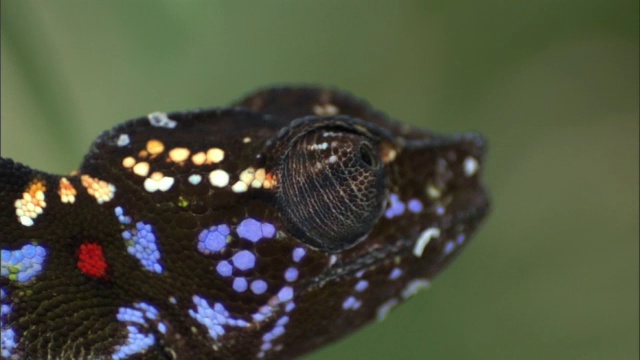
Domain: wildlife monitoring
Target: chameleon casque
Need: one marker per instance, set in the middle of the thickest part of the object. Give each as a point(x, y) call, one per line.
point(261, 230)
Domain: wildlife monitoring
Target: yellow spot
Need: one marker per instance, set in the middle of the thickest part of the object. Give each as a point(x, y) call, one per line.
point(141, 169)
point(325, 110)
point(179, 154)
point(199, 158)
point(99, 189)
point(128, 162)
point(67, 192)
point(215, 155)
point(259, 178)
point(157, 176)
point(155, 147)
point(32, 202)
point(388, 152)
point(433, 191)
point(246, 140)
point(248, 175)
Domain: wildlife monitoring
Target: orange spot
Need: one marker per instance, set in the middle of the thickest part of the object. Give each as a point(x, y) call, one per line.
point(155, 147)
point(67, 192)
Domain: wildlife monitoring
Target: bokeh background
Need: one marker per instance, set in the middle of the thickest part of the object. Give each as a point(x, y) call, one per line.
point(552, 84)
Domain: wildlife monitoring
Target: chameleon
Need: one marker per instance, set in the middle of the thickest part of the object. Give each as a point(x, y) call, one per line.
point(262, 230)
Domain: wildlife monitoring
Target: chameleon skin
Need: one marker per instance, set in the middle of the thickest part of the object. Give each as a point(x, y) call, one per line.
point(262, 230)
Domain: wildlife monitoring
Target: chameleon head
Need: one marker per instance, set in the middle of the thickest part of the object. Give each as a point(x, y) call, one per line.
point(263, 230)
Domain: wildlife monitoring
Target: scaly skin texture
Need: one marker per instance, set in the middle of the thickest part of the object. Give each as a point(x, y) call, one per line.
point(263, 230)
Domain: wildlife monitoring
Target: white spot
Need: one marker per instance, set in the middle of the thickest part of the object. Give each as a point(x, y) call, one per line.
point(165, 183)
point(332, 260)
point(322, 146)
point(325, 110)
point(219, 178)
point(470, 166)
point(383, 310)
point(413, 287)
point(424, 239)
point(157, 181)
point(246, 140)
point(150, 185)
point(160, 119)
point(172, 300)
point(123, 140)
point(333, 159)
point(26, 221)
point(195, 179)
point(239, 187)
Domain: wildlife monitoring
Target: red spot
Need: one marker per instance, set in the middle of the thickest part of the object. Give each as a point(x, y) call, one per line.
point(91, 260)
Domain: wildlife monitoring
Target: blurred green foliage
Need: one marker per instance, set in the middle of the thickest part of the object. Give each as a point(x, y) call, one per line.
point(552, 84)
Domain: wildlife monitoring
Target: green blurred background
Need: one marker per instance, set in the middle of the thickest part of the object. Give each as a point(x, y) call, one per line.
point(552, 84)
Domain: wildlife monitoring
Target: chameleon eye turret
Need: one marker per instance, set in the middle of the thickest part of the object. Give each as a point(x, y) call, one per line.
point(332, 184)
point(258, 231)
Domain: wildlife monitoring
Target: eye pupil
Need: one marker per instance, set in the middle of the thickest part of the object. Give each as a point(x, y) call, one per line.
point(366, 154)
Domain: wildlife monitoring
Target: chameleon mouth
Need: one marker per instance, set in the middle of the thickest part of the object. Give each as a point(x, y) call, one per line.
point(444, 239)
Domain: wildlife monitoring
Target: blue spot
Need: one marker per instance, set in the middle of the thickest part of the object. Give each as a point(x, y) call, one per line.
point(224, 268)
point(395, 273)
point(396, 207)
point(415, 206)
point(258, 286)
point(213, 239)
point(240, 284)
point(137, 341)
point(130, 315)
point(141, 243)
point(273, 334)
point(214, 318)
point(285, 294)
point(250, 229)
point(262, 313)
point(122, 219)
point(448, 248)
point(298, 254)
point(351, 303)
point(290, 306)
point(460, 239)
point(362, 285)
point(24, 264)
point(291, 274)
point(5, 309)
point(268, 230)
point(244, 260)
point(8, 342)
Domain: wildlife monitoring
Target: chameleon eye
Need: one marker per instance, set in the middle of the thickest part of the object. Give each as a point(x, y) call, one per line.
point(332, 188)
